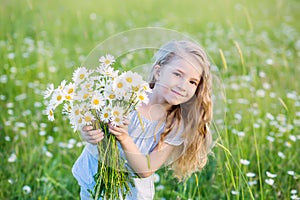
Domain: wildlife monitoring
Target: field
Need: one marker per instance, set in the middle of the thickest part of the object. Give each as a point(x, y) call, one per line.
point(254, 47)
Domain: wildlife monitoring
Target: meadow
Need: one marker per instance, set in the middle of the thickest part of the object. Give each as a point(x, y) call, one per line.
point(254, 47)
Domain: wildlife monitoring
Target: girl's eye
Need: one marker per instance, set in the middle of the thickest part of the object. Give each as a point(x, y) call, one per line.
point(176, 74)
point(194, 83)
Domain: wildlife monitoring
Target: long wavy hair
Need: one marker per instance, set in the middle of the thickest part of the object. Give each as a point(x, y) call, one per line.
point(196, 114)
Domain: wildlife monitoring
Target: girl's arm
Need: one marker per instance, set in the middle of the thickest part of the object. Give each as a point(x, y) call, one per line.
point(143, 165)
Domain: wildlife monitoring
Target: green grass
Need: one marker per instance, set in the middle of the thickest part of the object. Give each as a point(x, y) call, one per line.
point(42, 42)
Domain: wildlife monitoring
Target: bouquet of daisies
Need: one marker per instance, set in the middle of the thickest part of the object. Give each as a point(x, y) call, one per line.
point(98, 97)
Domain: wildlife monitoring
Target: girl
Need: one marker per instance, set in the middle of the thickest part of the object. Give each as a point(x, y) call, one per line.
point(172, 129)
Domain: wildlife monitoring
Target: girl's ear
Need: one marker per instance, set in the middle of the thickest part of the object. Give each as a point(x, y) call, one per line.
point(156, 72)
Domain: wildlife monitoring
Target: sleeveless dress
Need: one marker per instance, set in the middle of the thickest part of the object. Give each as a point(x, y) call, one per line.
point(146, 138)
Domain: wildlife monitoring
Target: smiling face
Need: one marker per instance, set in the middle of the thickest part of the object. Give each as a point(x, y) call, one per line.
point(176, 81)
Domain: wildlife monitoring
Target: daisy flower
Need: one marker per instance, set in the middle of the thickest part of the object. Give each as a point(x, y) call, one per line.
point(105, 114)
point(88, 117)
point(57, 98)
point(69, 91)
point(80, 74)
point(270, 175)
point(62, 85)
point(97, 101)
point(120, 88)
point(49, 91)
point(50, 113)
point(107, 60)
point(117, 114)
point(142, 97)
point(269, 181)
point(87, 85)
point(82, 95)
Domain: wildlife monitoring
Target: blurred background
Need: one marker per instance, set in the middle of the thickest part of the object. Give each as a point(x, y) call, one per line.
point(254, 47)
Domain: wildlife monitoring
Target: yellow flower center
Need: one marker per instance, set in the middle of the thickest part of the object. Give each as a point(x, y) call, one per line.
point(112, 96)
point(87, 118)
point(141, 97)
point(68, 97)
point(51, 112)
point(81, 76)
point(135, 89)
point(71, 90)
point(116, 113)
point(96, 101)
point(117, 120)
point(59, 97)
point(107, 62)
point(105, 115)
point(77, 112)
point(119, 85)
point(129, 79)
point(85, 96)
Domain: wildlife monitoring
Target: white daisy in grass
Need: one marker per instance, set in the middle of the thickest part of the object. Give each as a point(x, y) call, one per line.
point(107, 60)
point(105, 114)
point(270, 175)
point(270, 181)
point(80, 74)
point(97, 101)
point(117, 114)
point(69, 91)
point(49, 91)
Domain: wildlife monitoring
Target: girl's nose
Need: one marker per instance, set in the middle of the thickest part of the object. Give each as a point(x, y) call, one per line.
point(182, 85)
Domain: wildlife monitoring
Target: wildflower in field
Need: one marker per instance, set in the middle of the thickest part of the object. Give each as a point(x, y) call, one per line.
point(260, 93)
point(281, 155)
point(26, 189)
point(234, 192)
point(270, 175)
point(12, 158)
point(292, 173)
point(50, 139)
point(160, 187)
point(251, 183)
point(244, 162)
point(250, 174)
point(270, 139)
point(270, 181)
point(48, 154)
point(156, 178)
point(10, 181)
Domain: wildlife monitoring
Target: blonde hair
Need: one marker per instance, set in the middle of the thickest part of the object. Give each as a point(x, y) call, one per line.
point(196, 114)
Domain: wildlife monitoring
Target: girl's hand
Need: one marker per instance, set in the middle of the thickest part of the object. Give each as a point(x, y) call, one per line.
point(90, 135)
point(121, 132)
